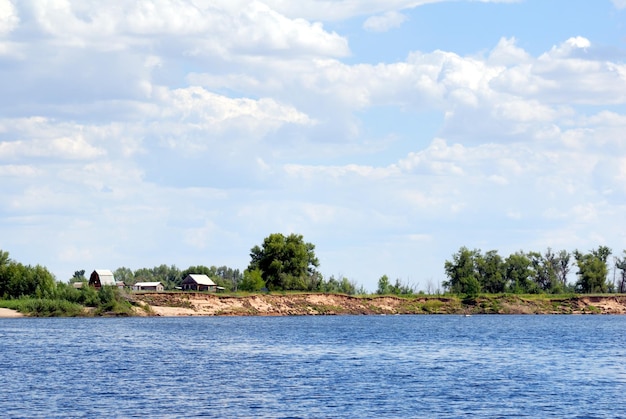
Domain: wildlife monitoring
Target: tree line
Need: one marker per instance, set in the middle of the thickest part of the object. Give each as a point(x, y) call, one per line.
point(288, 263)
point(471, 272)
point(35, 290)
point(280, 263)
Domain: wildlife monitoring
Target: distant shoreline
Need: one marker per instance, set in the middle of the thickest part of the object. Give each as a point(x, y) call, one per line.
point(202, 304)
point(176, 304)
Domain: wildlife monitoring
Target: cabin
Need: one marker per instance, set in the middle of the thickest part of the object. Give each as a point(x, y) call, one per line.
point(102, 277)
point(198, 282)
point(148, 286)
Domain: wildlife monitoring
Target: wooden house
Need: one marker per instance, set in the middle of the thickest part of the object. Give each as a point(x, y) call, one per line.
point(198, 282)
point(148, 286)
point(102, 277)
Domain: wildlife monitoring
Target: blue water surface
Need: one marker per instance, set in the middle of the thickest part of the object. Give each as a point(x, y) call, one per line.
point(315, 367)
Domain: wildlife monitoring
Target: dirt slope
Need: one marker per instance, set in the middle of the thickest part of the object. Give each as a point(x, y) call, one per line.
point(201, 304)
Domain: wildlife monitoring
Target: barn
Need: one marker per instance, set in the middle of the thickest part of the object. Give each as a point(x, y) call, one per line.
point(148, 286)
point(102, 277)
point(198, 282)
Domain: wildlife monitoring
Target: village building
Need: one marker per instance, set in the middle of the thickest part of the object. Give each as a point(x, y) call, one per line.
point(199, 282)
point(102, 277)
point(148, 286)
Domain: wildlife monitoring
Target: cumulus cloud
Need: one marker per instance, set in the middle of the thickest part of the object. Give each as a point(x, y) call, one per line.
point(9, 18)
point(222, 122)
point(62, 148)
point(200, 29)
point(384, 22)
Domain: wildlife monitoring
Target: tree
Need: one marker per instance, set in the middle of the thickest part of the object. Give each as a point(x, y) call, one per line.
point(18, 280)
point(286, 262)
point(592, 270)
point(125, 275)
point(227, 277)
point(79, 276)
point(518, 273)
point(463, 273)
point(383, 285)
point(563, 267)
point(490, 269)
point(544, 270)
point(252, 281)
point(620, 263)
point(339, 285)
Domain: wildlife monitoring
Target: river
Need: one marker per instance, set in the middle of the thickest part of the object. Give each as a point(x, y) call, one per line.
point(314, 367)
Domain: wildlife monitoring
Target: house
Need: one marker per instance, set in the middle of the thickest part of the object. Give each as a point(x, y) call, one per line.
point(198, 282)
point(102, 277)
point(148, 286)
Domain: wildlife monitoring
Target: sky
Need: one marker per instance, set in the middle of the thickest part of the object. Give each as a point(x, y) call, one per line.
point(388, 133)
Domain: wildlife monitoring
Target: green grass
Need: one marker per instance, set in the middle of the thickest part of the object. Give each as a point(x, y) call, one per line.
point(44, 307)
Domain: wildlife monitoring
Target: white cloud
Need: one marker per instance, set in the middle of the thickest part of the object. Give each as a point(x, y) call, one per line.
point(620, 4)
point(62, 148)
point(507, 53)
point(345, 9)
point(18, 170)
point(384, 22)
point(199, 29)
point(9, 18)
point(222, 122)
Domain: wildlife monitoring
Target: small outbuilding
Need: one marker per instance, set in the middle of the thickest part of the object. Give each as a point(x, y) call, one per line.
point(148, 286)
point(198, 282)
point(102, 277)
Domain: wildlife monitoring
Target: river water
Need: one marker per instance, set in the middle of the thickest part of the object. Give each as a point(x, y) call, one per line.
point(315, 367)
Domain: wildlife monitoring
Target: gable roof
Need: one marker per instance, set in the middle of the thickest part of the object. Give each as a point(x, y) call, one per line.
point(106, 277)
point(199, 279)
point(147, 284)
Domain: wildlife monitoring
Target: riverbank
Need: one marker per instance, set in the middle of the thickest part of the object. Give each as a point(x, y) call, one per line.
point(204, 304)
point(8, 313)
point(201, 304)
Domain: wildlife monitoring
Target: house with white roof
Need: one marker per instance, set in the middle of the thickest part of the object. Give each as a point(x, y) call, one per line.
point(199, 282)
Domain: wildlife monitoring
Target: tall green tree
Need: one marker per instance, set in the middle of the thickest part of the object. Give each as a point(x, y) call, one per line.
point(462, 272)
point(544, 268)
point(592, 270)
point(286, 262)
point(563, 267)
point(519, 273)
point(384, 286)
point(490, 269)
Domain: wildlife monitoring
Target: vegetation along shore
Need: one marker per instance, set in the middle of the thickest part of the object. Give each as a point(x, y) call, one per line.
point(282, 278)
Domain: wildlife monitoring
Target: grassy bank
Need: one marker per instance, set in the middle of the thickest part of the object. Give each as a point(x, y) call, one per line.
point(115, 302)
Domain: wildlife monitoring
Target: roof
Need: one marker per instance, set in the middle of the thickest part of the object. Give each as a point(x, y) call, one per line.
point(106, 277)
point(201, 279)
point(147, 284)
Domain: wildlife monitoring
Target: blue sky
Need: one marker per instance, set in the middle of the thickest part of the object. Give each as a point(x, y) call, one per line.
point(387, 133)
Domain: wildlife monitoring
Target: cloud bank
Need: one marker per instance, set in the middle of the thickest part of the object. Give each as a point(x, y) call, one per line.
point(140, 133)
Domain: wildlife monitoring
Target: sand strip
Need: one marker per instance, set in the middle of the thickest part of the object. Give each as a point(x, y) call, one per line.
point(7, 312)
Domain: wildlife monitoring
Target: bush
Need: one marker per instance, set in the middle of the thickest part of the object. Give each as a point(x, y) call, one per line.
point(44, 307)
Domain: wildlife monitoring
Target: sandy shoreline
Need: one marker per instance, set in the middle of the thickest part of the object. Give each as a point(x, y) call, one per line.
point(198, 304)
point(8, 313)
